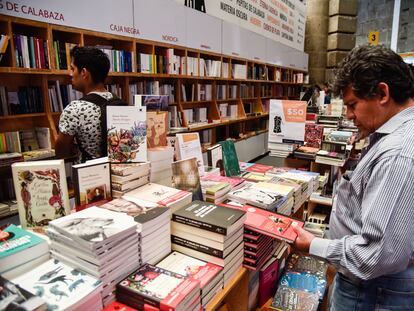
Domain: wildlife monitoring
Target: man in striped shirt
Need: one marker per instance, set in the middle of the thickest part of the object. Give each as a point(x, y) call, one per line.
point(372, 221)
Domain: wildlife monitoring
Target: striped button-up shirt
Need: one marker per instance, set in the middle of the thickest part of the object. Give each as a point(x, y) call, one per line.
point(372, 219)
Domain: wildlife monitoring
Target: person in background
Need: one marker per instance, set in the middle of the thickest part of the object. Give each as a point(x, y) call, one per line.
point(79, 125)
point(327, 90)
point(371, 225)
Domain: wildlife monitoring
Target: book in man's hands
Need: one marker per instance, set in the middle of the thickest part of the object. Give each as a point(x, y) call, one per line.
point(268, 223)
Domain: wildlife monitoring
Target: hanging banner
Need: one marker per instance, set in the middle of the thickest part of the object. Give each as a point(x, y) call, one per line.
point(279, 20)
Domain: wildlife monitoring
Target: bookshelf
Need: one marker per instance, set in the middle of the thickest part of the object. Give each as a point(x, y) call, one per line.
point(194, 79)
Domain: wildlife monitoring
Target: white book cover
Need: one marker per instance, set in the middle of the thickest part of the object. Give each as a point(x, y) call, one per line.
point(94, 226)
point(61, 286)
point(41, 192)
point(188, 146)
point(158, 194)
point(127, 134)
point(92, 182)
point(287, 121)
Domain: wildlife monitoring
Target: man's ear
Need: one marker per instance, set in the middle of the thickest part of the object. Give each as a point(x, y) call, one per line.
point(84, 74)
point(384, 93)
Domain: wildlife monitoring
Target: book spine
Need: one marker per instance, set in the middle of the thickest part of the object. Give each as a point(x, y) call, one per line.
point(199, 224)
point(197, 247)
point(138, 297)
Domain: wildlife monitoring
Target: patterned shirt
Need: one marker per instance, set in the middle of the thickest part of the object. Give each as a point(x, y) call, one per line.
point(82, 118)
point(372, 219)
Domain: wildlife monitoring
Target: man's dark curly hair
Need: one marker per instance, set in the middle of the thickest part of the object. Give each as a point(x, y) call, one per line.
point(93, 60)
point(366, 66)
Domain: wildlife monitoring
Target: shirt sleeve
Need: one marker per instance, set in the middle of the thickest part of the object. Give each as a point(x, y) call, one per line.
point(385, 243)
point(69, 122)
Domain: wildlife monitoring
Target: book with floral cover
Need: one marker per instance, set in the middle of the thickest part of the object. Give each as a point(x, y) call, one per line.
point(41, 192)
point(127, 134)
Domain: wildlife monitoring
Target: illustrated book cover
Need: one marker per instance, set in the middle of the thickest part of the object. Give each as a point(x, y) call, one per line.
point(127, 134)
point(92, 183)
point(215, 157)
point(61, 286)
point(157, 128)
point(41, 192)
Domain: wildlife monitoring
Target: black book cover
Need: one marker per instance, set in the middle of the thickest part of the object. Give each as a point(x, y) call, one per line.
point(208, 216)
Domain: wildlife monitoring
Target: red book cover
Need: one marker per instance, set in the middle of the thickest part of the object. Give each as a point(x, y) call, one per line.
point(233, 181)
point(313, 135)
point(259, 168)
point(36, 51)
point(42, 54)
point(117, 306)
point(269, 223)
point(268, 280)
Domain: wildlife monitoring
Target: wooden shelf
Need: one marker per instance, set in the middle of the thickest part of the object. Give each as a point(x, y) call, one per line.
point(22, 116)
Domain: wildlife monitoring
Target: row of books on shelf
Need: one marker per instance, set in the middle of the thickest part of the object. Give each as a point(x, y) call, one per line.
point(62, 54)
point(24, 100)
point(31, 52)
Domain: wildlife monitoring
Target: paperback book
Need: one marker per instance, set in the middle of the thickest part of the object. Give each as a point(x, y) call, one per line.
point(127, 134)
point(41, 192)
point(157, 128)
point(230, 160)
point(92, 183)
point(215, 157)
point(188, 146)
point(185, 177)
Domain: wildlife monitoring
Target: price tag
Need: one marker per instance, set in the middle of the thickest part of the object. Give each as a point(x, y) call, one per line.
point(373, 37)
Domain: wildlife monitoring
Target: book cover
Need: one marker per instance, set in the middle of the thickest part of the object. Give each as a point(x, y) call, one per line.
point(41, 192)
point(117, 306)
point(188, 146)
point(152, 102)
point(159, 194)
point(94, 226)
point(124, 206)
point(61, 286)
point(211, 217)
point(235, 182)
point(127, 134)
point(230, 160)
point(215, 157)
point(287, 121)
point(92, 183)
point(293, 299)
point(14, 297)
point(268, 280)
point(158, 287)
point(313, 135)
point(185, 265)
point(259, 168)
point(157, 128)
point(269, 223)
point(125, 169)
point(245, 165)
point(185, 177)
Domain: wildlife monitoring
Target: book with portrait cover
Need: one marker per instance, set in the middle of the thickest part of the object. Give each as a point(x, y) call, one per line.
point(157, 128)
point(41, 192)
point(185, 177)
point(92, 183)
point(215, 157)
point(127, 134)
point(268, 223)
point(94, 227)
point(157, 287)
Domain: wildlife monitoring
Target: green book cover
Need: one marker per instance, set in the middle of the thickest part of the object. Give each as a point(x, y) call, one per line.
point(230, 160)
point(18, 240)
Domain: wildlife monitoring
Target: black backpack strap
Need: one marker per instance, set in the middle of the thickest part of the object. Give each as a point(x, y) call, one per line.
point(102, 103)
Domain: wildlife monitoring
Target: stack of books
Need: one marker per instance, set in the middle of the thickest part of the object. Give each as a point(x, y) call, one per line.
point(299, 195)
point(280, 150)
point(128, 176)
point(92, 240)
point(62, 287)
point(285, 191)
point(154, 225)
point(20, 251)
point(161, 159)
point(211, 233)
point(214, 191)
point(209, 275)
point(235, 182)
point(263, 198)
point(154, 288)
point(159, 195)
point(257, 249)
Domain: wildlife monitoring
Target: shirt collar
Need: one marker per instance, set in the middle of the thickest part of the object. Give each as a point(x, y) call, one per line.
point(395, 122)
